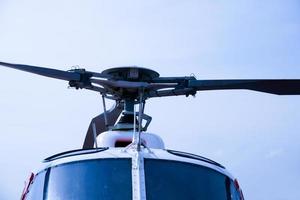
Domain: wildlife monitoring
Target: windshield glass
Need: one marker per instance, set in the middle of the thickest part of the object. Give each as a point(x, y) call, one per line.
point(89, 179)
point(36, 188)
point(167, 179)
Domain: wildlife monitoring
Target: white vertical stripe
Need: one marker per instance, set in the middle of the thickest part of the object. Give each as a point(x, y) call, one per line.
point(138, 176)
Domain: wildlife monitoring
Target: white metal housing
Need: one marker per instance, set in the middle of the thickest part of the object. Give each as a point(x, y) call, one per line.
point(110, 139)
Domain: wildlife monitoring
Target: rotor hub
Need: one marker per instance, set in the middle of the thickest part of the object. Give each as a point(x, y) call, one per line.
point(131, 73)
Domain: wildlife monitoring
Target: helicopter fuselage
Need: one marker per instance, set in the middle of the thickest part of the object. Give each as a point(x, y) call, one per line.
point(114, 172)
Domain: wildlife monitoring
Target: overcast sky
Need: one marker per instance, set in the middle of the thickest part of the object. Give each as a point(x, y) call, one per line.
point(255, 135)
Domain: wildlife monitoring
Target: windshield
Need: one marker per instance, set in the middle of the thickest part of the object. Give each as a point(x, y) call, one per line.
point(167, 179)
point(90, 179)
point(112, 179)
point(97, 179)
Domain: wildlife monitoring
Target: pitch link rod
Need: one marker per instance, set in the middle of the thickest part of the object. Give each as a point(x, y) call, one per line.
point(141, 108)
point(175, 79)
point(174, 92)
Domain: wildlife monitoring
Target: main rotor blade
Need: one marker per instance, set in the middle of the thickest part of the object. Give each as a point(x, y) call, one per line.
point(112, 116)
point(52, 73)
point(272, 86)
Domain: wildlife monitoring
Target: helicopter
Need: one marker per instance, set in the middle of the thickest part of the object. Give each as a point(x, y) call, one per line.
point(119, 159)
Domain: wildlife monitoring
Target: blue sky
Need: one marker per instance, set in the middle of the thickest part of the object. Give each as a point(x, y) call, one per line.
point(255, 135)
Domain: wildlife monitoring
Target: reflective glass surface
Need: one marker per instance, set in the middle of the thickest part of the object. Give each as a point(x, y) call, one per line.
point(235, 194)
point(180, 181)
point(36, 188)
point(91, 179)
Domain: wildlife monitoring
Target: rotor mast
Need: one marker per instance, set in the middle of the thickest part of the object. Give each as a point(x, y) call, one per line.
point(130, 95)
point(129, 105)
